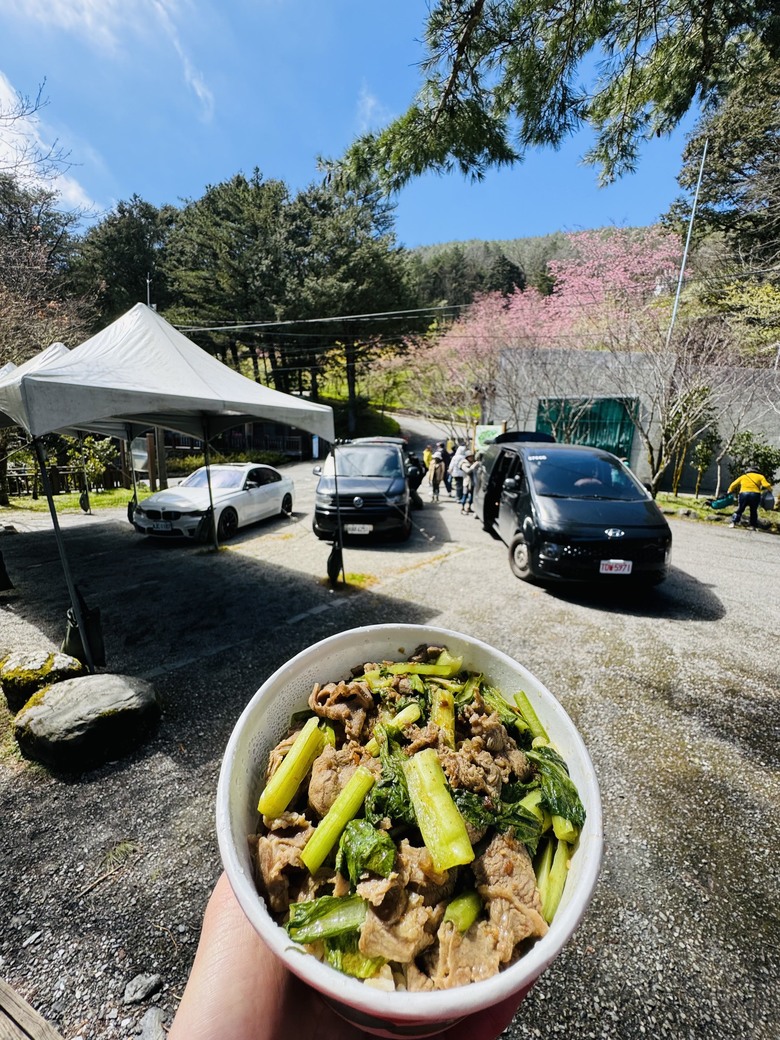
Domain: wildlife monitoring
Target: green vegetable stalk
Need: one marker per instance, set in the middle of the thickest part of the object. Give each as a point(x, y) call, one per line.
point(443, 714)
point(346, 806)
point(405, 717)
point(463, 910)
point(532, 719)
point(445, 665)
point(556, 880)
point(283, 785)
point(440, 823)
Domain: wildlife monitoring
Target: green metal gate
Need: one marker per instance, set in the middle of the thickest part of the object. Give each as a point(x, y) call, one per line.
point(601, 422)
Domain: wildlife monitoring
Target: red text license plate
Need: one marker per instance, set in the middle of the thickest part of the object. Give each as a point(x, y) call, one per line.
point(615, 567)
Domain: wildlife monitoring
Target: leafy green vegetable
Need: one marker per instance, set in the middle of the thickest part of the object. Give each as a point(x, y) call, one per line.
point(343, 953)
point(325, 918)
point(511, 716)
point(364, 849)
point(480, 813)
point(560, 794)
point(389, 797)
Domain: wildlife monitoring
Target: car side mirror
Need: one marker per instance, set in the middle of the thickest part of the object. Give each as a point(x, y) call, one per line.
point(511, 484)
point(317, 471)
point(251, 484)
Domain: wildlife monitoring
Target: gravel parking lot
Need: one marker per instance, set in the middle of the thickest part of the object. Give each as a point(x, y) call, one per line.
point(675, 691)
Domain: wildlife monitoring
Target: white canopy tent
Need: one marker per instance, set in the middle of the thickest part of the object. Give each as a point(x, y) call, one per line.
point(138, 373)
point(142, 371)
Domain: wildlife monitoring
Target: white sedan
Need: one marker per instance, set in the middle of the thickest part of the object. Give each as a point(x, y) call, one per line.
point(242, 493)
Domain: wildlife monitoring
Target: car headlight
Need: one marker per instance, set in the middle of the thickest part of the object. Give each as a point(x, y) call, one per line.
point(138, 511)
point(551, 550)
point(397, 500)
point(195, 512)
point(321, 499)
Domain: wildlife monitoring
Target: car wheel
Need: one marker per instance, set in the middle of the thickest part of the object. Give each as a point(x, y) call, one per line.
point(286, 509)
point(520, 558)
point(228, 524)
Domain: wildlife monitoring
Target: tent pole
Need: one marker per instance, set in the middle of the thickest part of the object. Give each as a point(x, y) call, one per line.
point(74, 599)
point(339, 543)
point(207, 460)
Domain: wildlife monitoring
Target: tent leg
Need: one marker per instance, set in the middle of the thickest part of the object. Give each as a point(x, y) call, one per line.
point(207, 460)
point(74, 600)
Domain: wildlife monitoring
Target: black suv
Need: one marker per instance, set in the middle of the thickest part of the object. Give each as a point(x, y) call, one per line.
point(364, 487)
point(570, 512)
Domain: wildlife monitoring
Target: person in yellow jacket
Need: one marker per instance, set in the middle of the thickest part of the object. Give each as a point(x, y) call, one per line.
point(749, 486)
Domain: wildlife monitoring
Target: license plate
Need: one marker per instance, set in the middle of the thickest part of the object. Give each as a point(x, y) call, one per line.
point(615, 567)
point(358, 528)
point(161, 525)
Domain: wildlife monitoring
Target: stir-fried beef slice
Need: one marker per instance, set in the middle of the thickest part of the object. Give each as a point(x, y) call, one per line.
point(416, 981)
point(497, 740)
point(277, 756)
point(348, 703)
point(326, 882)
point(500, 744)
point(386, 895)
point(419, 875)
point(404, 939)
point(473, 768)
point(424, 653)
point(421, 737)
point(278, 854)
point(462, 957)
point(331, 771)
point(506, 881)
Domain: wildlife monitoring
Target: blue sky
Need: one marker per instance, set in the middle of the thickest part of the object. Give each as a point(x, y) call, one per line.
point(161, 98)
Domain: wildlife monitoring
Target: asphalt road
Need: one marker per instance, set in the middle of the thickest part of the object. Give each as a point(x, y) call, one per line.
point(675, 691)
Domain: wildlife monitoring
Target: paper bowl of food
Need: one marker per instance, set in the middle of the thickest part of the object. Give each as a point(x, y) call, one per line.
point(412, 824)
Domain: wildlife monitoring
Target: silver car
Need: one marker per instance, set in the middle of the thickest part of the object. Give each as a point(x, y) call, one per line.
point(242, 493)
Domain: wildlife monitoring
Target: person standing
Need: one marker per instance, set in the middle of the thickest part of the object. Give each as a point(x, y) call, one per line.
point(427, 456)
point(454, 470)
point(749, 488)
point(467, 468)
point(446, 458)
point(436, 475)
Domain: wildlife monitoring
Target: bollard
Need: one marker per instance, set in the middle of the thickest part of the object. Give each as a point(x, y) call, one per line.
point(5, 581)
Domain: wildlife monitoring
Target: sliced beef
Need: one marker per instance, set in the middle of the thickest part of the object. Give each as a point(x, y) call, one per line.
point(387, 896)
point(404, 939)
point(278, 754)
point(278, 855)
point(347, 703)
point(331, 771)
point(463, 957)
point(501, 745)
point(473, 768)
point(507, 883)
point(420, 737)
point(419, 875)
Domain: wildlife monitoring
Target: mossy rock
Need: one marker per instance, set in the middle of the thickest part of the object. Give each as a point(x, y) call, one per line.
point(24, 672)
point(80, 723)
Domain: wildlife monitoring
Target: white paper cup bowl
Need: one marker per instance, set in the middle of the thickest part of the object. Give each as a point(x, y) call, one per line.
point(262, 725)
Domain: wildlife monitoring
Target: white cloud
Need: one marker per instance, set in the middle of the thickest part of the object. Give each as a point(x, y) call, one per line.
point(106, 25)
point(371, 113)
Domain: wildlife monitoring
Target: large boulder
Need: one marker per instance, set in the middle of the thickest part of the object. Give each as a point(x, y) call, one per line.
point(24, 672)
point(80, 723)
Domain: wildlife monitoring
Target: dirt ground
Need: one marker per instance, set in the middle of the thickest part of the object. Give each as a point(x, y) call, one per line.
point(676, 691)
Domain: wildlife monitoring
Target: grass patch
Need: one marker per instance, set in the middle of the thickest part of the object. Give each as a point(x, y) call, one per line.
point(69, 502)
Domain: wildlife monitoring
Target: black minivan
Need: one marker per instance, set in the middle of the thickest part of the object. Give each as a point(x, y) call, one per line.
point(364, 488)
point(570, 512)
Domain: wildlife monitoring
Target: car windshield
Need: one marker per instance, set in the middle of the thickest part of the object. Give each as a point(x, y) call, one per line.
point(374, 461)
point(221, 477)
point(581, 475)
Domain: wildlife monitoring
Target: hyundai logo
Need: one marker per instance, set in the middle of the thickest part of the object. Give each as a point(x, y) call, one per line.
point(357, 502)
point(614, 532)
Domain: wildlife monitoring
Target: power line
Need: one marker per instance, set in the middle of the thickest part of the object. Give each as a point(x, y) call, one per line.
point(376, 315)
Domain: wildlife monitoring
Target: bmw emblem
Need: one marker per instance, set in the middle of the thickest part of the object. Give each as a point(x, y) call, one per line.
point(614, 532)
point(357, 502)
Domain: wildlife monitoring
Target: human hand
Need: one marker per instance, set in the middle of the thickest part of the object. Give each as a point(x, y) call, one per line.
point(238, 990)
